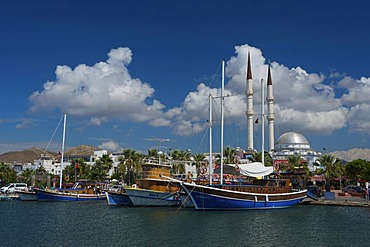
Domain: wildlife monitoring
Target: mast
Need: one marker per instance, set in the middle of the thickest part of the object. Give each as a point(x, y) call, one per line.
point(210, 140)
point(263, 123)
point(222, 121)
point(62, 157)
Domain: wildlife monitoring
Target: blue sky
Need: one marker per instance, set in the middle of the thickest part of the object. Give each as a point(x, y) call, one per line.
point(124, 71)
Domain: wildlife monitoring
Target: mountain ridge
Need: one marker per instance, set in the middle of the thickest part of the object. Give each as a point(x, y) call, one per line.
point(34, 153)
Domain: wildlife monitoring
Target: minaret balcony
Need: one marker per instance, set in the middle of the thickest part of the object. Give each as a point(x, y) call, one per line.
point(249, 93)
point(249, 113)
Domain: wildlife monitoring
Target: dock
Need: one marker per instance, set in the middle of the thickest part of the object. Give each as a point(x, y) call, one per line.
point(338, 199)
point(9, 197)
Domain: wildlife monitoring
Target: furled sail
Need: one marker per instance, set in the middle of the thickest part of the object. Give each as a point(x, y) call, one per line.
point(255, 169)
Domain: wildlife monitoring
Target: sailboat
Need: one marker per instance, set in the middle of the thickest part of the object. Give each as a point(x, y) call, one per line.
point(82, 190)
point(263, 194)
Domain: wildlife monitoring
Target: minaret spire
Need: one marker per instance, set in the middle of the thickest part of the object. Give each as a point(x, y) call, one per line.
point(249, 112)
point(270, 109)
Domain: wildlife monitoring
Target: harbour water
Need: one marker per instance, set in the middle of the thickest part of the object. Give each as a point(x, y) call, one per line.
point(97, 224)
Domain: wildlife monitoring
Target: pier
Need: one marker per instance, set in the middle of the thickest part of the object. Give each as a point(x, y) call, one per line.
point(339, 199)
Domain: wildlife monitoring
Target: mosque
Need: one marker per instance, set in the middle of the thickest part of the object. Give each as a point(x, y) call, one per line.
point(293, 143)
point(289, 143)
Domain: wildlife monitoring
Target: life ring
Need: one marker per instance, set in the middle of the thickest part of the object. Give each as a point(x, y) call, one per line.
point(237, 168)
point(66, 178)
point(134, 186)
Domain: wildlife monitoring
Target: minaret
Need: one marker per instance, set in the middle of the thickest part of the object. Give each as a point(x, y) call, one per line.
point(249, 112)
point(270, 110)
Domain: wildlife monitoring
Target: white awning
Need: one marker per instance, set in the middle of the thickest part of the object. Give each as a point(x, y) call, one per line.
point(254, 169)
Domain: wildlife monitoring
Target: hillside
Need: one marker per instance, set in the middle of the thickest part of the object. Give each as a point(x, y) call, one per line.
point(34, 153)
point(25, 156)
point(353, 154)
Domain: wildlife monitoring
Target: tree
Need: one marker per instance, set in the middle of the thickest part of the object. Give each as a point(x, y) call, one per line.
point(257, 157)
point(229, 155)
point(129, 165)
point(78, 169)
point(332, 168)
point(293, 161)
point(152, 153)
point(357, 169)
point(26, 176)
point(179, 159)
point(7, 175)
point(199, 161)
point(101, 168)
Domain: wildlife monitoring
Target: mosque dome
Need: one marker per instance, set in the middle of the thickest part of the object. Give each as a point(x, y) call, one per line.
point(292, 140)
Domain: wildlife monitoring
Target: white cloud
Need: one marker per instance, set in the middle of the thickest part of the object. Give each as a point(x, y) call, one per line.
point(103, 91)
point(302, 101)
point(358, 91)
point(359, 118)
point(110, 146)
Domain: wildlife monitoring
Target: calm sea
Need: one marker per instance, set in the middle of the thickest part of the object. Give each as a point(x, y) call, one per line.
point(97, 224)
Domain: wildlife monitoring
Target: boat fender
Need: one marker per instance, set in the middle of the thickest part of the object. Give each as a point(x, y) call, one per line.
point(237, 168)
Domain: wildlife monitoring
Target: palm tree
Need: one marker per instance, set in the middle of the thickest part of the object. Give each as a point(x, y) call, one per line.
point(229, 155)
point(129, 165)
point(26, 176)
point(152, 153)
point(255, 157)
point(293, 161)
point(179, 159)
point(332, 167)
point(7, 174)
point(199, 161)
point(101, 168)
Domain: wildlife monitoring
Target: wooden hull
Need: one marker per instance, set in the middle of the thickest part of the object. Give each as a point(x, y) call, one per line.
point(214, 198)
point(50, 195)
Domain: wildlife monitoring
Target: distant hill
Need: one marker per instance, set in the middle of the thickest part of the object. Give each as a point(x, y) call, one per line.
point(25, 156)
point(353, 154)
point(81, 150)
point(34, 153)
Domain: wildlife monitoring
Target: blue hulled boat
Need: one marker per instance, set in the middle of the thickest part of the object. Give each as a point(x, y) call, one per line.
point(83, 190)
point(118, 198)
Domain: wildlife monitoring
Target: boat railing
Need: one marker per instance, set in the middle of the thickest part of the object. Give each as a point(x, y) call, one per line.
point(153, 174)
point(256, 189)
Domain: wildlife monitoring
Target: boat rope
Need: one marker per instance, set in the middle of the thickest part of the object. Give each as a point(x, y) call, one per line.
point(182, 203)
point(47, 146)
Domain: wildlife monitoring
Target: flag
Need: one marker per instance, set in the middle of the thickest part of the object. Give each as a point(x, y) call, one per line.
point(76, 165)
point(256, 121)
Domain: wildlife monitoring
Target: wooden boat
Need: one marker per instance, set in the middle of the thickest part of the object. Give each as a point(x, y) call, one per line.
point(241, 197)
point(152, 189)
point(266, 194)
point(82, 190)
